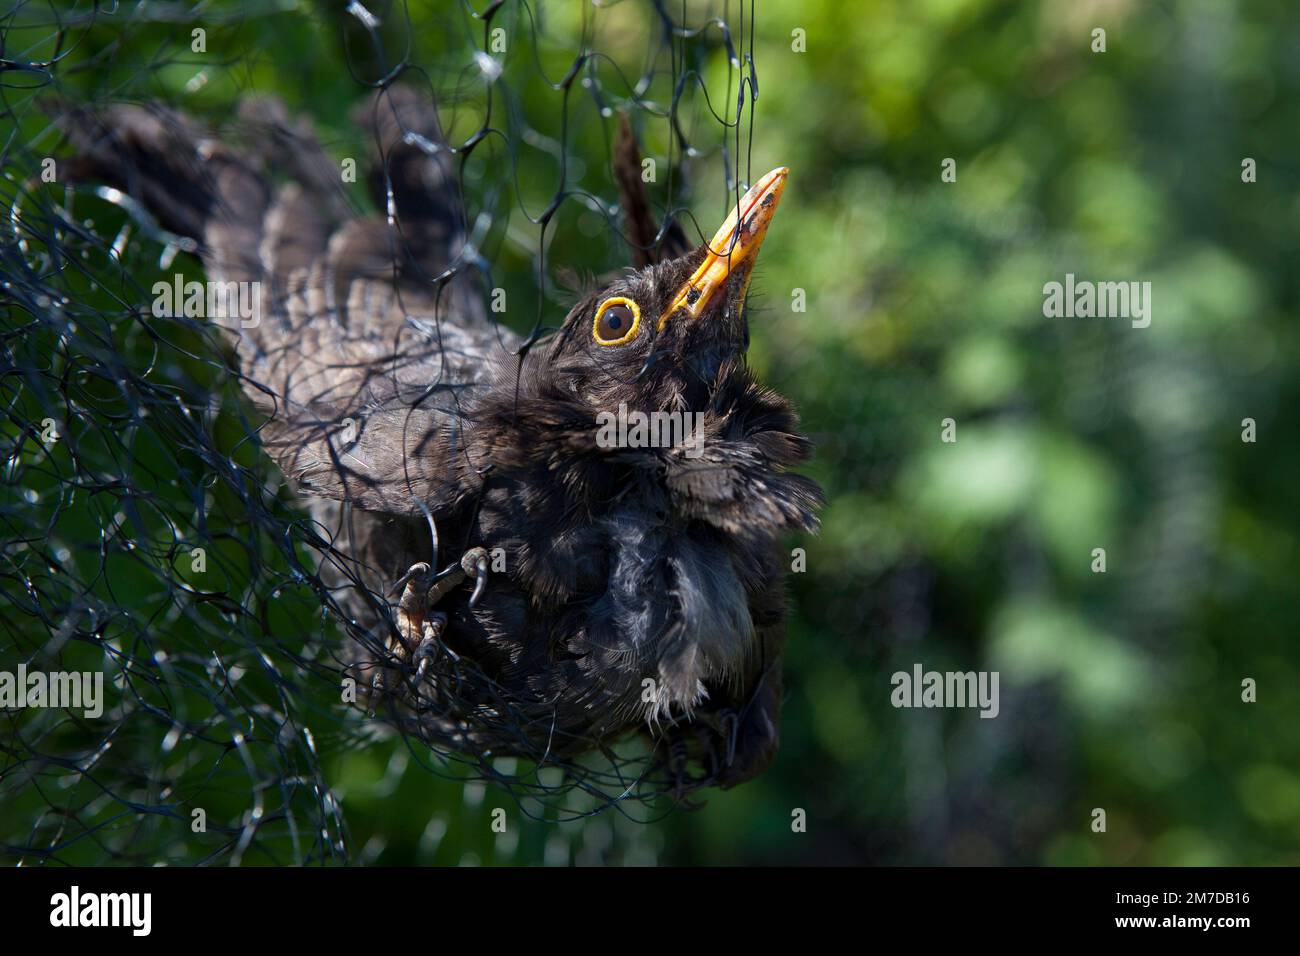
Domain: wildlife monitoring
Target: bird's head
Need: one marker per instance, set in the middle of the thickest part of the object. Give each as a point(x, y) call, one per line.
point(658, 336)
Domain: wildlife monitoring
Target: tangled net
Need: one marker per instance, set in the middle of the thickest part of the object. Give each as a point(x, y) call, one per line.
point(145, 533)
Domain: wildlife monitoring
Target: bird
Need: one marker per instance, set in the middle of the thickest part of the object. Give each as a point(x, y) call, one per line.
point(531, 589)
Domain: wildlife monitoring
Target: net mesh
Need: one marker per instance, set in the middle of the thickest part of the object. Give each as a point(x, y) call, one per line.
point(146, 534)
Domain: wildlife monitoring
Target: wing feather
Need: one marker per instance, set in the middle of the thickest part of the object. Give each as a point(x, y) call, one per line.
point(372, 336)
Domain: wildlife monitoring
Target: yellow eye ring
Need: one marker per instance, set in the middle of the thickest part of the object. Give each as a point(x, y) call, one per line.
point(627, 336)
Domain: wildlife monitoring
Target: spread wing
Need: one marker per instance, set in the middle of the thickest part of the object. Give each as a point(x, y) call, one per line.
point(364, 337)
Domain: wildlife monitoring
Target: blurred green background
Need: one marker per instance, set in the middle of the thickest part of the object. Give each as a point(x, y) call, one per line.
point(1119, 690)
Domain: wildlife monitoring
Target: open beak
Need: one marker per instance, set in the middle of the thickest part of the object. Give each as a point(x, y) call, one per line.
point(734, 246)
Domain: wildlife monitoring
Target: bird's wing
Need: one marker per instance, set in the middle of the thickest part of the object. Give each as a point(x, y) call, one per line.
point(370, 334)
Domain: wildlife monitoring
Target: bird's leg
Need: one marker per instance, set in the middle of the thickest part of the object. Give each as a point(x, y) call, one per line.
point(682, 752)
point(432, 630)
point(410, 611)
point(410, 621)
point(419, 627)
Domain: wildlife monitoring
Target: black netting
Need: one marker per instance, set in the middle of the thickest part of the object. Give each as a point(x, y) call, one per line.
point(146, 534)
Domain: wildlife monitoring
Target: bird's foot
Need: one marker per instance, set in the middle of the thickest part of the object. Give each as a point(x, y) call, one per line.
point(745, 741)
point(418, 638)
point(721, 748)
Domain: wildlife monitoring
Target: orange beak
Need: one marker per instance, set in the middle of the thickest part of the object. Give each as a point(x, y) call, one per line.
point(734, 245)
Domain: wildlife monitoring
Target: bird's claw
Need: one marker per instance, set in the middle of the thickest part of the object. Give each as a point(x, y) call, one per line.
point(729, 722)
point(430, 642)
point(475, 565)
point(415, 571)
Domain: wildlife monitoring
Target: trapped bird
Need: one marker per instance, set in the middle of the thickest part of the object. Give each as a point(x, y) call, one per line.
point(529, 589)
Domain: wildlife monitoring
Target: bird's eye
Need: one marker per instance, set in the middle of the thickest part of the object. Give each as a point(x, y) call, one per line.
point(616, 321)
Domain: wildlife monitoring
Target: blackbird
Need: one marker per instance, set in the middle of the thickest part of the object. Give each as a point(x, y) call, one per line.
point(593, 588)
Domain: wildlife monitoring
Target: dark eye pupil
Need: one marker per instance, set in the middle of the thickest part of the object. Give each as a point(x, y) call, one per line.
point(615, 321)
